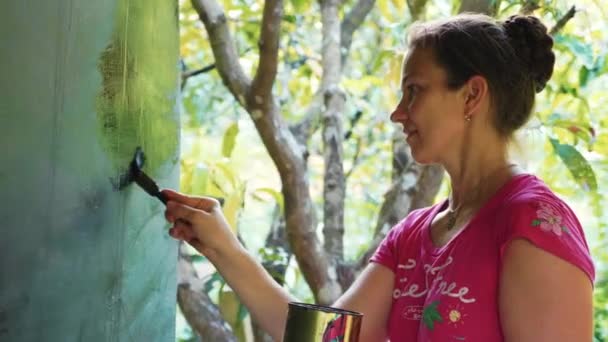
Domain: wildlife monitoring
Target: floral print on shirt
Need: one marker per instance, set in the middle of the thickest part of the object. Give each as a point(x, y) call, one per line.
point(549, 220)
point(430, 315)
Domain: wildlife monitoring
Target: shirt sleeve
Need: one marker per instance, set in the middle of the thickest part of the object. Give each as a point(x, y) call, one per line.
point(550, 225)
point(386, 253)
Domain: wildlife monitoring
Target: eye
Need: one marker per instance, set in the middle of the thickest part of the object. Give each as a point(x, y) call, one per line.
point(412, 90)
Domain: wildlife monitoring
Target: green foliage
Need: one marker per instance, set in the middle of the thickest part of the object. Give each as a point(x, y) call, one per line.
point(577, 164)
point(230, 140)
point(565, 143)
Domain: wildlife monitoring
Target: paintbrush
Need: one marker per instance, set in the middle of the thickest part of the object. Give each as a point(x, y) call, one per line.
point(137, 175)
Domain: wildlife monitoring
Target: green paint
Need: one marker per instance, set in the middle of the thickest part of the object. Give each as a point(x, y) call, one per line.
point(139, 77)
point(80, 261)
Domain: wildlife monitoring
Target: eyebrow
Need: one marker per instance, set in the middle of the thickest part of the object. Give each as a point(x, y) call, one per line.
point(406, 77)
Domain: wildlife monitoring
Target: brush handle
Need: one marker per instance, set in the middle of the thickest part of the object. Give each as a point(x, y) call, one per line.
point(161, 197)
point(164, 199)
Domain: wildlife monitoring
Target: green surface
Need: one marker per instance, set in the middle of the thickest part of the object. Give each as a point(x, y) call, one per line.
point(81, 261)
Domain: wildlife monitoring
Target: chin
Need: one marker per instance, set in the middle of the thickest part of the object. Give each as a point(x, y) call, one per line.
point(422, 158)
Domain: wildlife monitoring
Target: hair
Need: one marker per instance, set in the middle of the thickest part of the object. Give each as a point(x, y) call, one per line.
point(515, 57)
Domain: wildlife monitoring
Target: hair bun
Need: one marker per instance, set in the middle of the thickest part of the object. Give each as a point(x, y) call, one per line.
point(528, 37)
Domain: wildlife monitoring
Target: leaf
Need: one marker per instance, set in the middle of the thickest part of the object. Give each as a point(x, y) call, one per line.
point(430, 315)
point(536, 222)
point(300, 5)
point(230, 308)
point(386, 10)
point(278, 197)
point(580, 49)
point(381, 57)
point(210, 283)
point(230, 139)
point(577, 164)
point(399, 5)
point(243, 312)
point(583, 76)
point(197, 258)
point(199, 180)
point(228, 173)
point(580, 130)
point(232, 207)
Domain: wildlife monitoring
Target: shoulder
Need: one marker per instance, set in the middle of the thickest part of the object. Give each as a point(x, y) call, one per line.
point(532, 203)
point(534, 213)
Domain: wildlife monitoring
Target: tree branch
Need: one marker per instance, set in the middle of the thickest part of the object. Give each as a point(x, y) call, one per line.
point(286, 153)
point(222, 45)
point(563, 20)
point(288, 157)
point(269, 49)
point(334, 185)
point(529, 7)
point(198, 309)
point(187, 74)
point(202, 315)
point(353, 122)
point(311, 121)
point(190, 73)
point(351, 22)
point(355, 161)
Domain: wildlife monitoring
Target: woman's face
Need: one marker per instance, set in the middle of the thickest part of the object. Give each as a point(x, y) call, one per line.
point(432, 115)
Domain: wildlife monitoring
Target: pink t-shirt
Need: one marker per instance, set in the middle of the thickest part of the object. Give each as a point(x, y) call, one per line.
point(450, 293)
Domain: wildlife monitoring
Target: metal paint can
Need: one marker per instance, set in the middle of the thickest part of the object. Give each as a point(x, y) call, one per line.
point(318, 323)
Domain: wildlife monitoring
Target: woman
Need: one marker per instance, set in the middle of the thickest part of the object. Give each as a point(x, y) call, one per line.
point(501, 259)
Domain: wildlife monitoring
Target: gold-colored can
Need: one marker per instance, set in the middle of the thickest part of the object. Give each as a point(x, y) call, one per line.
point(318, 323)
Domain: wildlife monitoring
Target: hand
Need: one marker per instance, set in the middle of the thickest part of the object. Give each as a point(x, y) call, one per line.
point(200, 222)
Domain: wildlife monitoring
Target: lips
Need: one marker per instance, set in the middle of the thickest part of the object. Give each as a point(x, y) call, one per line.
point(410, 131)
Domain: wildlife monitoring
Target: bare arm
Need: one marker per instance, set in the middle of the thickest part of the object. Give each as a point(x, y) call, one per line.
point(542, 297)
point(266, 300)
point(371, 294)
point(200, 222)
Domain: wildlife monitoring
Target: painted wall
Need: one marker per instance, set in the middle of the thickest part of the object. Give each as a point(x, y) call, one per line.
point(83, 83)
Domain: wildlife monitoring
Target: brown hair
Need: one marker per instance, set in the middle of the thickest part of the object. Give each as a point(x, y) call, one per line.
point(514, 56)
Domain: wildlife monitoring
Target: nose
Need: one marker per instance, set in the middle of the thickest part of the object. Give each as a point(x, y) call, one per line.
point(399, 114)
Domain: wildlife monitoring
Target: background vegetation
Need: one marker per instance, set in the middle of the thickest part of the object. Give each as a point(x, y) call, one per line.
point(315, 144)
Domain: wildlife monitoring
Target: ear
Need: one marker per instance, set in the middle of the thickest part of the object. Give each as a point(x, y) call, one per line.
point(475, 91)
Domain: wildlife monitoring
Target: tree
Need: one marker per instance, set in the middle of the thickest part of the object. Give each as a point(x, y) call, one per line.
point(347, 92)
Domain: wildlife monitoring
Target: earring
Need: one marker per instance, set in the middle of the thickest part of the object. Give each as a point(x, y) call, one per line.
point(467, 118)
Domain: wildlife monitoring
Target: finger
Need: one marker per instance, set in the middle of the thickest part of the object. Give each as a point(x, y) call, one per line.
point(184, 229)
point(200, 202)
point(176, 234)
point(178, 211)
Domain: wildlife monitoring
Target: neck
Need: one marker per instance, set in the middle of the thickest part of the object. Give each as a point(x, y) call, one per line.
point(477, 176)
point(477, 163)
